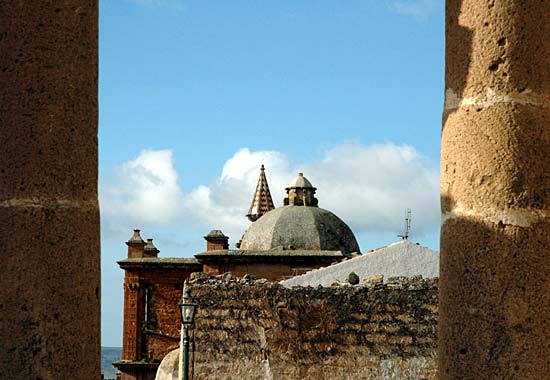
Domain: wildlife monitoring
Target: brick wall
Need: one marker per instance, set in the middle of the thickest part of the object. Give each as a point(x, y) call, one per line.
point(163, 326)
point(151, 316)
point(257, 330)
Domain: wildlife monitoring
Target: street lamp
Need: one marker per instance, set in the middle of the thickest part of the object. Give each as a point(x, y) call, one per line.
point(188, 308)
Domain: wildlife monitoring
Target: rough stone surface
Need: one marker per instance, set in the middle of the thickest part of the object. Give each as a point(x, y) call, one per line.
point(300, 228)
point(398, 259)
point(495, 192)
point(49, 217)
point(353, 278)
point(373, 280)
point(169, 367)
point(261, 331)
point(199, 277)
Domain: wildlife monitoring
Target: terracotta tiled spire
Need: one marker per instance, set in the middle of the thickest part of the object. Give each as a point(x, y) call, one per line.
point(262, 202)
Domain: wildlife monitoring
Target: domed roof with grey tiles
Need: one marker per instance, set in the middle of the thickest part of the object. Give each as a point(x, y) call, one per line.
point(300, 225)
point(300, 228)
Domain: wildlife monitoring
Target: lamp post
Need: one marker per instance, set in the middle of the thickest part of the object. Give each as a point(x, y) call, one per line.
point(187, 307)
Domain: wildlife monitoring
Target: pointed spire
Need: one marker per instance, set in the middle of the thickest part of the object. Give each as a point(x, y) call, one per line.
point(262, 201)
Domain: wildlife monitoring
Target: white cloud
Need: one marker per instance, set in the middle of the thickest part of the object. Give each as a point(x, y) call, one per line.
point(146, 189)
point(224, 203)
point(417, 8)
point(369, 187)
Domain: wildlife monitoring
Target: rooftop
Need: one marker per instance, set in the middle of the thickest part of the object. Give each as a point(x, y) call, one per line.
point(300, 228)
point(160, 262)
point(403, 258)
point(270, 253)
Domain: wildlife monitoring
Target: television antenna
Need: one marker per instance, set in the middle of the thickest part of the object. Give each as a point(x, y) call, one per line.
point(407, 232)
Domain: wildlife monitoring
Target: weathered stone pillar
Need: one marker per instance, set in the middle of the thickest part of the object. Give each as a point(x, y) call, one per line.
point(49, 216)
point(495, 192)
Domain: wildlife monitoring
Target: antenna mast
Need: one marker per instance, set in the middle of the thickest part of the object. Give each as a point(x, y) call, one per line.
point(407, 232)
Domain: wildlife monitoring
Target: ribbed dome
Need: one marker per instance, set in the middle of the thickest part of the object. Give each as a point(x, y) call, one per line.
point(300, 181)
point(300, 228)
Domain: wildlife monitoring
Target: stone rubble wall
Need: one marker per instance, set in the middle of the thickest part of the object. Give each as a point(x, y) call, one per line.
point(250, 329)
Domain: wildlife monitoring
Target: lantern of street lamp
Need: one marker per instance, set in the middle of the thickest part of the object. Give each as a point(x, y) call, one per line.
point(188, 308)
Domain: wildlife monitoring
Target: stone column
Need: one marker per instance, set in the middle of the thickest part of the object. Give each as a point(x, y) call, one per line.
point(495, 192)
point(49, 216)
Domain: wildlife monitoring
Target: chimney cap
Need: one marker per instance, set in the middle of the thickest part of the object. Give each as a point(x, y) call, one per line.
point(150, 246)
point(216, 234)
point(135, 238)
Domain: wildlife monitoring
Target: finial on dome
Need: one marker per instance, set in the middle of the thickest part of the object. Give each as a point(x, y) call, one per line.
point(262, 201)
point(301, 192)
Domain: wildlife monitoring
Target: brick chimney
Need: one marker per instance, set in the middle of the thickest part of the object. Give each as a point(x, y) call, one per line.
point(150, 250)
point(216, 240)
point(136, 246)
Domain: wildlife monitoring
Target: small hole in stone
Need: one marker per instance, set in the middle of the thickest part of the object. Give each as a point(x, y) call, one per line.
point(57, 10)
point(502, 41)
point(494, 66)
point(463, 351)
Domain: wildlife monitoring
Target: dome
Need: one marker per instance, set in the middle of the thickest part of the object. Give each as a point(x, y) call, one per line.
point(300, 228)
point(300, 181)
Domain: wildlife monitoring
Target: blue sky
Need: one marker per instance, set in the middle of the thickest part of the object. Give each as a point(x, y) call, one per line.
point(194, 95)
